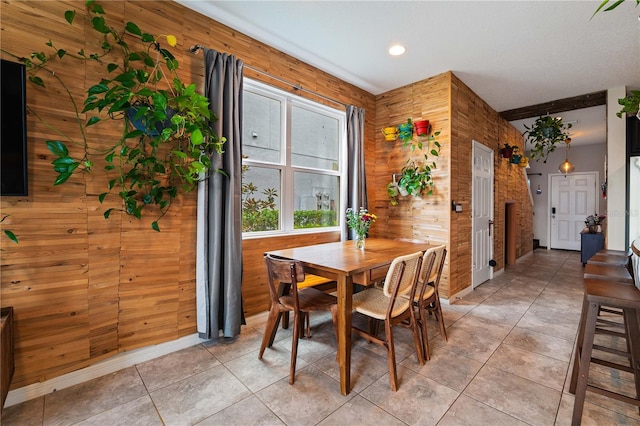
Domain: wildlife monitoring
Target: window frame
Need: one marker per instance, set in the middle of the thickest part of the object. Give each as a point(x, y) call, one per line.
point(287, 170)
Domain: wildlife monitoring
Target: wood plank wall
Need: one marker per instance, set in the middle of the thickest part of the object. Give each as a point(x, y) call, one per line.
point(473, 119)
point(461, 117)
point(425, 219)
point(85, 288)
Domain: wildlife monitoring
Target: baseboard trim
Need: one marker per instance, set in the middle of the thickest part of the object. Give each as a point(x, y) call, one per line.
point(118, 362)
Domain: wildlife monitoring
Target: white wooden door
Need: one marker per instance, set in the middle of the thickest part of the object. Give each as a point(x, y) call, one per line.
point(482, 227)
point(573, 198)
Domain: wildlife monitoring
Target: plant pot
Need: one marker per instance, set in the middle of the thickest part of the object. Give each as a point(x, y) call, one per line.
point(422, 127)
point(406, 131)
point(403, 191)
point(524, 162)
point(515, 158)
point(392, 189)
point(140, 123)
point(506, 152)
point(390, 133)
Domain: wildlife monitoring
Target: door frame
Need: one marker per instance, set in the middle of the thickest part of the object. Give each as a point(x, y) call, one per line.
point(550, 193)
point(477, 145)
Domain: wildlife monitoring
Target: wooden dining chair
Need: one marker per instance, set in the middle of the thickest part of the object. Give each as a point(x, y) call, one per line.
point(297, 301)
point(427, 298)
point(393, 305)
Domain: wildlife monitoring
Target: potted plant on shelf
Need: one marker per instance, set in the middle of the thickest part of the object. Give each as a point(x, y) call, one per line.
point(507, 151)
point(166, 141)
point(544, 134)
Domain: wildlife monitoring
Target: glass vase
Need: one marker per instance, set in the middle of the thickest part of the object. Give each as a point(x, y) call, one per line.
point(360, 242)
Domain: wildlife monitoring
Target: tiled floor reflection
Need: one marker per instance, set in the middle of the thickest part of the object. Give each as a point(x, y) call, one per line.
point(506, 363)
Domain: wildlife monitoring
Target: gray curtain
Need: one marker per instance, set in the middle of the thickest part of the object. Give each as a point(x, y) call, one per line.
point(356, 177)
point(219, 231)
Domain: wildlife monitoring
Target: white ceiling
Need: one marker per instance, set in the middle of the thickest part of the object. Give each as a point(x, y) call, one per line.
point(511, 53)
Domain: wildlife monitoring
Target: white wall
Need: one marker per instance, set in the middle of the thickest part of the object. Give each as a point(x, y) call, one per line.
point(586, 158)
point(616, 170)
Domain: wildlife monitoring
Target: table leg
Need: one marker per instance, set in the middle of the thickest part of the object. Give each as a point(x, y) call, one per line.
point(345, 291)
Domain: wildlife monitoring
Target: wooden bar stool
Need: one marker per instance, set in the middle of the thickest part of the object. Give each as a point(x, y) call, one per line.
point(605, 294)
point(609, 259)
point(608, 272)
point(625, 253)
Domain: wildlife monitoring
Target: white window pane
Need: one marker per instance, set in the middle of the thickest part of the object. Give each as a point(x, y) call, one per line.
point(315, 139)
point(261, 204)
point(261, 132)
point(316, 200)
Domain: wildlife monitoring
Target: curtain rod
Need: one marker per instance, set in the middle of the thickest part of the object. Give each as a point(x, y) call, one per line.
point(196, 48)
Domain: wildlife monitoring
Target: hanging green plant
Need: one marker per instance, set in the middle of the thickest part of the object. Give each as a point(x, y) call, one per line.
point(166, 142)
point(630, 104)
point(544, 134)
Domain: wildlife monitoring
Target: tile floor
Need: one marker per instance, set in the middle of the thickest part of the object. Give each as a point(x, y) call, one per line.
point(507, 362)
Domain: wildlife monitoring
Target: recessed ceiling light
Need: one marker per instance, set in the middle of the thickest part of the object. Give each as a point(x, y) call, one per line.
point(397, 50)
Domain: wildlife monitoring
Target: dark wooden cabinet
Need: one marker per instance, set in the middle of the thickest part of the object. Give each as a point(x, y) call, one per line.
point(6, 352)
point(590, 244)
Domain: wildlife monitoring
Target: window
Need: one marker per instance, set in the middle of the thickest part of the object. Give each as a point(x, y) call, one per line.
point(292, 169)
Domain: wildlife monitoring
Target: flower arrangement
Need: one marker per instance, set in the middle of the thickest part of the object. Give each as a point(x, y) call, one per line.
point(360, 221)
point(593, 221)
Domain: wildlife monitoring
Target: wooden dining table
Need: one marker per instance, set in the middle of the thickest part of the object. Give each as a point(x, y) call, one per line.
point(348, 265)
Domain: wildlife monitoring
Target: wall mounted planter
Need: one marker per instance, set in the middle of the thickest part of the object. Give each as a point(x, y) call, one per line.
point(422, 127)
point(406, 131)
point(390, 133)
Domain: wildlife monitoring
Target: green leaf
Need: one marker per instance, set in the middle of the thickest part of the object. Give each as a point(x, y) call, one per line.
point(133, 29)
point(99, 25)
point(69, 15)
point(198, 167)
point(107, 213)
point(98, 9)
point(154, 226)
point(112, 67)
point(101, 197)
point(61, 53)
point(434, 152)
point(196, 137)
point(133, 134)
point(112, 183)
point(12, 236)
point(98, 88)
point(147, 38)
point(62, 178)
point(145, 91)
point(36, 80)
point(179, 154)
point(58, 148)
point(92, 121)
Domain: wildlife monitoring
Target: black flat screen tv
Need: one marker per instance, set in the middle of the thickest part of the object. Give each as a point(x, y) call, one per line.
point(13, 139)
